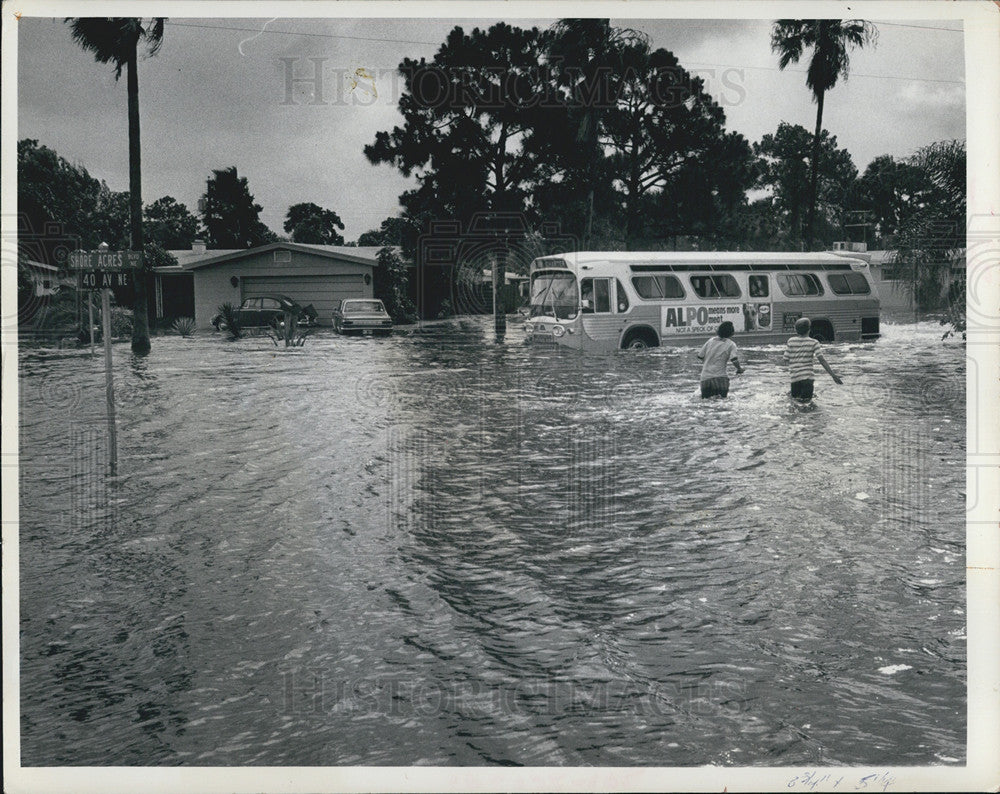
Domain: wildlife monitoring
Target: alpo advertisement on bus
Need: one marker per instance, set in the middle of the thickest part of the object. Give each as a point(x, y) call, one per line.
point(705, 319)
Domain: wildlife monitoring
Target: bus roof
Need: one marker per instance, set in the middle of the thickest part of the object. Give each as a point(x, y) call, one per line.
point(703, 258)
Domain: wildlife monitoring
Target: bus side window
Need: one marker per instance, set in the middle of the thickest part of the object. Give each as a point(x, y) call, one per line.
point(587, 295)
point(622, 297)
point(703, 287)
point(602, 295)
point(759, 287)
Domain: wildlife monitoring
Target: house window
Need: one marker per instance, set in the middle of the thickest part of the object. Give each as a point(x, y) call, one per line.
point(281, 256)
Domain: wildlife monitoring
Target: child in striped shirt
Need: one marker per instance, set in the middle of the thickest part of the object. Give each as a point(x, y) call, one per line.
point(799, 353)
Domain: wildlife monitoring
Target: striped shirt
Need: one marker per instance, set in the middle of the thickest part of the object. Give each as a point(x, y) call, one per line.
point(800, 353)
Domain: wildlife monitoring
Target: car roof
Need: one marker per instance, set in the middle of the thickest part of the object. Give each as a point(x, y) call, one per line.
point(275, 295)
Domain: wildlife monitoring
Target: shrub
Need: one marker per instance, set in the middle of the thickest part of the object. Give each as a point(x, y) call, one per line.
point(229, 320)
point(59, 312)
point(184, 326)
point(121, 322)
point(391, 286)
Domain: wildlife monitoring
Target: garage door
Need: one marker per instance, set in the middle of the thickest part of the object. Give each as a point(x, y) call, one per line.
point(322, 292)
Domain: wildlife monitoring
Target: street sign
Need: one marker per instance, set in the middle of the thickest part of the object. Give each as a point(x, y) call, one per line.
point(105, 260)
point(105, 279)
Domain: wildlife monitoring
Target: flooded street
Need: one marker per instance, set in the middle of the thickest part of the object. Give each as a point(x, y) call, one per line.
point(433, 549)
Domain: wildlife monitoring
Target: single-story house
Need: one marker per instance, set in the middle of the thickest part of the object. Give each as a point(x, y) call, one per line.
point(320, 275)
point(46, 279)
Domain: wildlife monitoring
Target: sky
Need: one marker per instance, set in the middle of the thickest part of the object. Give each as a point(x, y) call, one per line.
point(217, 95)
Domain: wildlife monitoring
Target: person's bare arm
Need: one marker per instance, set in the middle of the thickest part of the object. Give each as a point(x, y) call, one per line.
point(739, 367)
point(834, 375)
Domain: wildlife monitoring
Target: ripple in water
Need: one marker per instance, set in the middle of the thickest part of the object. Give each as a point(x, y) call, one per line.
point(438, 550)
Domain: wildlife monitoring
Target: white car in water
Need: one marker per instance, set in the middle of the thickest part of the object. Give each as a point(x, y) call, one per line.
point(362, 316)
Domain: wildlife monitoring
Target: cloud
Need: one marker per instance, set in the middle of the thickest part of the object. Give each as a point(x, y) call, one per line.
point(916, 96)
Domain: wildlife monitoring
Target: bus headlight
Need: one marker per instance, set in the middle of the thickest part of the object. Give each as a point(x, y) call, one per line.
point(558, 330)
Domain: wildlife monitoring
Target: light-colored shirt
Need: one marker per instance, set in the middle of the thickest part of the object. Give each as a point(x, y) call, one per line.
point(716, 353)
point(800, 353)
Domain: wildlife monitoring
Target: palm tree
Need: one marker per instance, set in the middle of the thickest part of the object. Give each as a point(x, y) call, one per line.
point(829, 39)
point(115, 40)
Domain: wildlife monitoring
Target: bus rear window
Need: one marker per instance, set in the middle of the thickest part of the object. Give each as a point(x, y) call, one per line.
point(849, 284)
point(657, 287)
point(721, 286)
point(794, 284)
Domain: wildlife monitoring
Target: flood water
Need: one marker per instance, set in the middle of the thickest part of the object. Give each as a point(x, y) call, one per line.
point(434, 549)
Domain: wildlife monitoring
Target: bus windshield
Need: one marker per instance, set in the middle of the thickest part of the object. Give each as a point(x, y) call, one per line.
point(554, 295)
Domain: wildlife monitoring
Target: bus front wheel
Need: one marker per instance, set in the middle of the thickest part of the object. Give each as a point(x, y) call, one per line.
point(639, 340)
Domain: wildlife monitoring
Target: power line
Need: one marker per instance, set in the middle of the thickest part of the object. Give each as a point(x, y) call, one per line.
point(919, 27)
point(803, 71)
point(692, 63)
point(297, 33)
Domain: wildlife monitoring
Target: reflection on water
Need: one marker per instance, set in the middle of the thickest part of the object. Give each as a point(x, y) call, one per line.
point(438, 550)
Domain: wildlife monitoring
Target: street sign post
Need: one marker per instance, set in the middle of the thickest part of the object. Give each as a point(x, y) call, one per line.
point(101, 270)
point(90, 322)
point(109, 385)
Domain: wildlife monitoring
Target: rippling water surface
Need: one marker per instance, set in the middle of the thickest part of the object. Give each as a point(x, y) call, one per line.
point(433, 549)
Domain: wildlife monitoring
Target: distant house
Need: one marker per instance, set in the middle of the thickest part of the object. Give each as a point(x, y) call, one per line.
point(887, 273)
point(45, 278)
point(320, 275)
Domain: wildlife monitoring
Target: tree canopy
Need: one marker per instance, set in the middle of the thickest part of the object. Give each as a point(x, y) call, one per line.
point(310, 223)
point(784, 164)
point(64, 207)
point(930, 238)
point(391, 231)
point(170, 224)
point(582, 125)
point(465, 113)
point(230, 217)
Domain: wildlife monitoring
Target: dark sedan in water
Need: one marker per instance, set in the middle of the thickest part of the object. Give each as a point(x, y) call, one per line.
point(261, 311)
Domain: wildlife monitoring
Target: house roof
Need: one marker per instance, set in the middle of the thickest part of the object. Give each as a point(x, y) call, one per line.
point(955, 256)
point(194, 260)
point(38, 265)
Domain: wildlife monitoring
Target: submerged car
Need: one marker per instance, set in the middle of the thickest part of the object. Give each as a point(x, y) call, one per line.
point(362, 316)
point(263, 311)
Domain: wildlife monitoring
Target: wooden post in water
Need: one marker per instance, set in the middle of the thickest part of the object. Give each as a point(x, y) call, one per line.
point(288, 329)
point(109, 385)
point(499, 278)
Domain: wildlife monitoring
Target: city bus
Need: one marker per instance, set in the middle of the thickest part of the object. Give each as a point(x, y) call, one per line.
point(603, 301)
